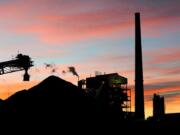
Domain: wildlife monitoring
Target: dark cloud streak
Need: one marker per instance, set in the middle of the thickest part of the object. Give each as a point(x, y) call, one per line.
point(161, 85)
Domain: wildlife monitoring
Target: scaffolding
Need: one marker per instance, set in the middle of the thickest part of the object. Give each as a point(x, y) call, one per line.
point(112, 89)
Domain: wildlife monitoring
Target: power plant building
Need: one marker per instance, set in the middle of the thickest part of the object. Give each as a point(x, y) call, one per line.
point(158, 106)
point(111, 89)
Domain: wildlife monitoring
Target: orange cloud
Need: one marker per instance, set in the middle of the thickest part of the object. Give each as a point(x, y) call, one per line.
point(172, 102)
point(8, 89)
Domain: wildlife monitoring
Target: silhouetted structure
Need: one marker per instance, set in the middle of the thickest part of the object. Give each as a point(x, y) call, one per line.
point(58, 103)
point(158, 106)
point(171, 117)
point(59, 106)
point(159, 111)
point(139, 87)
point(111, 90)
point(21, 62)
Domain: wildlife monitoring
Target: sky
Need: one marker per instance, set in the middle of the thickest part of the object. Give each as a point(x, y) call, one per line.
point(93, 35)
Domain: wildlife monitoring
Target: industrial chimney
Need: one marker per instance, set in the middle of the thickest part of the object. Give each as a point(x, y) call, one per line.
point(139, 87)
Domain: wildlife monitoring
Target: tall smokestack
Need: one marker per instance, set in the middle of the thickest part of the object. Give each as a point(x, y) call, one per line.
point(139, 87)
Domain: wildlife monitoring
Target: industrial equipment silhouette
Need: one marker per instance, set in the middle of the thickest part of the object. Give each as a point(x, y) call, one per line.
point(21, 62)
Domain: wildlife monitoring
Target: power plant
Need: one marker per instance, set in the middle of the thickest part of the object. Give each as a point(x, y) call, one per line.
point(111, 89)
point(100, 100)
point(108, 83)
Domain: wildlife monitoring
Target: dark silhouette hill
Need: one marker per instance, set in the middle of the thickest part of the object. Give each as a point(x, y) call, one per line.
point(51, 96)
point(55, 102)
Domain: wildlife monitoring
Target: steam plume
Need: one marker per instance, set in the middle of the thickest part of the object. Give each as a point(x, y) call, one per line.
point(73, 71)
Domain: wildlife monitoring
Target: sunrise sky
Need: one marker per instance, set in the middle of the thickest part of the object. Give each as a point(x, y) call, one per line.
point(93, 35)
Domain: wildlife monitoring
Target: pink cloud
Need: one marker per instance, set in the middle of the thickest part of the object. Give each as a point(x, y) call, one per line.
point(163, 71)
point(58, 25)
point(68, 32)
point(163, 55)
point(160, 26)
point(81, 27)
